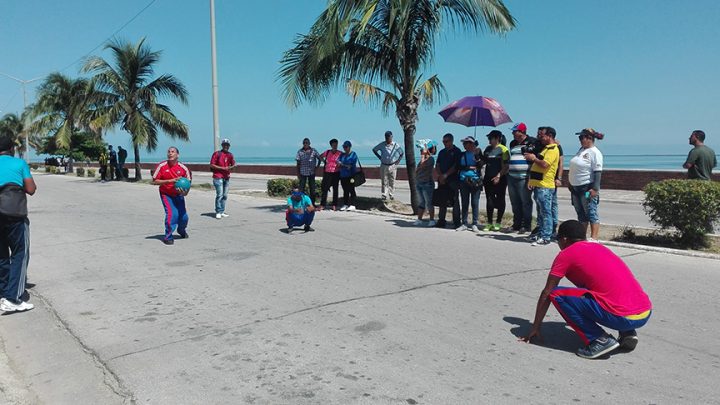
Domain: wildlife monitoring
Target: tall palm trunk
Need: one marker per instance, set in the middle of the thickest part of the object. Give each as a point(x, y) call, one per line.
point(136, 149)
point(407, 115)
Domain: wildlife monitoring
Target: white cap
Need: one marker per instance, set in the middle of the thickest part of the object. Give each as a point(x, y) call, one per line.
point(225, 141)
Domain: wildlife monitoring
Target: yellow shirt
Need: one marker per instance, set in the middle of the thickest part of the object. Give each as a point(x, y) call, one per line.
point(545, 177)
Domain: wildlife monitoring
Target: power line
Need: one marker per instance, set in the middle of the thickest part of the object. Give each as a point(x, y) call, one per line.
point(110, 37)
point(11, 100)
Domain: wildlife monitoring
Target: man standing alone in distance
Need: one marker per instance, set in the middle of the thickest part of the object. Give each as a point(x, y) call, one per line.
point(607, 294)
point(701, 159)
point(221, 162)
point(389, 153)
point(15, 182)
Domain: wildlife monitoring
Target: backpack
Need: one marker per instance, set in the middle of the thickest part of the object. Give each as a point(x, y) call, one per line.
point(13, 201)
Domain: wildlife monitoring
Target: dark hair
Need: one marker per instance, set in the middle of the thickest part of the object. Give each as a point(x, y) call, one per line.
point(176, 149)
point(6, 143)
point(699, 134)
point(571, 229)
point(495, 134)
point(549, 131)
point(388, 133)
point(306, 140)
point(332, 141)
point(449, 136)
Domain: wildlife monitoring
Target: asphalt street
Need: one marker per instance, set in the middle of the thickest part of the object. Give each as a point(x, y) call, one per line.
point(365, 310)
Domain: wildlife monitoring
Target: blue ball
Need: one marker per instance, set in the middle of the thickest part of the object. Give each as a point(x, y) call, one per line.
point(183, 184)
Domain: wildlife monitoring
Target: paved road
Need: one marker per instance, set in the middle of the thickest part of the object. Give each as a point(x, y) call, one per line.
point(365, 310)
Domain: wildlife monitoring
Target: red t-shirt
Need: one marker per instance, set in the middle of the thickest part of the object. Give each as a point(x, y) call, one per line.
point(164, 171)
point(607, 278)
point(331, 159)
point(224, 159)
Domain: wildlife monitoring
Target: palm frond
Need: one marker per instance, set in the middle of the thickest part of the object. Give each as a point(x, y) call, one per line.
point(372, 95)
point(431, 91)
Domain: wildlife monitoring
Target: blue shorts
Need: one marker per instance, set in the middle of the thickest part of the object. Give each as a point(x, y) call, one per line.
point(425, 192)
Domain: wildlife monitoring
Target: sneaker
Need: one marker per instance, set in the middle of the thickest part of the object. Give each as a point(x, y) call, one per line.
point(224, 215)
point(218, 216)
point(522, 231)
point(461, 228)
point(628, 340)
point(8, 306)
point(168, 241)
point(351, 208)
point(497, 227)
point(183, 235)
point(540, 242)
point(475, 229)
point(440, 224)
point(334, 208)
point(532, 238)
point(344, 208)
point(431, 223)
point(598, 347)
point(319, 208)
point(593, 240)
point(290, 229)
point(487, 228)
point(308, 229)
point(418, 222)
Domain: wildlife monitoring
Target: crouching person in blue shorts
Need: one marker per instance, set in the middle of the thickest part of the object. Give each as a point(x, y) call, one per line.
point(300, 211)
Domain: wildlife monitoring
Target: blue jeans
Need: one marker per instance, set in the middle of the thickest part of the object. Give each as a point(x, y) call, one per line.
point(521, 202)
point(585, 208)
point(469, 196)
point(554, 209)
point(425, 192)
point(14, 257)
point(175, 215)
point(222, 186)
point(294, 219)
point(583, 314)
point(544, 202)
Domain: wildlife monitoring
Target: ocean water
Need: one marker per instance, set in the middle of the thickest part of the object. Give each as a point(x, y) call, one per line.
point(640, 162)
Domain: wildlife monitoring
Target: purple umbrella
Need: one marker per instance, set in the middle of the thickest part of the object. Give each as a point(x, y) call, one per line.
point(475, 111)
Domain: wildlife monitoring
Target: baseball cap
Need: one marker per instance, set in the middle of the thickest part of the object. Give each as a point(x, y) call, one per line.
point(590, 132)
point(225, 141)
point(388, 133)
point(520, 127)
point(347, 143)
point(495, 134)
point(469, 139)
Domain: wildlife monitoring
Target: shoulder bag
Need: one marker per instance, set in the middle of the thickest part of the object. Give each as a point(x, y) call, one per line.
point(358, 179)
point(13, 201)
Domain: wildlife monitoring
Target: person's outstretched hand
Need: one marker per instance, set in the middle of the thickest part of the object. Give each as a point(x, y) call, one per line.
point(534, 334)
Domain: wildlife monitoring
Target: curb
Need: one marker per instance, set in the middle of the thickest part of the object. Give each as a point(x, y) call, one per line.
point(677, 252)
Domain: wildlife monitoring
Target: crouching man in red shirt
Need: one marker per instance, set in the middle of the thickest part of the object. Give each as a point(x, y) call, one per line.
point(173, 200)
point(607, 294)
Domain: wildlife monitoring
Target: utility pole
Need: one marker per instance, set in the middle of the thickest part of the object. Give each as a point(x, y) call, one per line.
point(216, 124)
point(23, 83)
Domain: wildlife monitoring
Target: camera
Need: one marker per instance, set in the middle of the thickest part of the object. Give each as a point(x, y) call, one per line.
point(529, 148)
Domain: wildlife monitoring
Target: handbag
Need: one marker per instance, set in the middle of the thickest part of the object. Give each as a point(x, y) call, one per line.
point(358, 179)
point(13, 201)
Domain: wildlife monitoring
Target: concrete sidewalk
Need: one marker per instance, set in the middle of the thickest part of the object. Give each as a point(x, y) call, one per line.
point(366, 310)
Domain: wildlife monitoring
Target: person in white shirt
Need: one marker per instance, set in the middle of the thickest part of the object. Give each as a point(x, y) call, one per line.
point(389, 153)
point(584, 178)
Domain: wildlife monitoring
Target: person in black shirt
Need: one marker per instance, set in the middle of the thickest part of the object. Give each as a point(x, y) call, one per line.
point(446, 169)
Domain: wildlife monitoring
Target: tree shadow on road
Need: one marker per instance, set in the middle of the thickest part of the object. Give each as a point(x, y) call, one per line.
point(555, 335)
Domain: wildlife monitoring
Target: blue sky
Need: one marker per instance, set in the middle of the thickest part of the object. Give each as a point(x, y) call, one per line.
point(644, 72)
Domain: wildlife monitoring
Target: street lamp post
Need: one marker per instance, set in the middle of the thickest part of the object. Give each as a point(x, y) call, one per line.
point(23, 83)
point(216, 124)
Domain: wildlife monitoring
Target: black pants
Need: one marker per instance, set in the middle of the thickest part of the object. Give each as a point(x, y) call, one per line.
point(311, 180)
point(349, 195)
point(454, 187)
point(495, 197)
point(329, 180)
point(103, 173)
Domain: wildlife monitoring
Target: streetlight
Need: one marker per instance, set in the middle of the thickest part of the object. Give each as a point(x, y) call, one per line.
point(216, 125)
point(23, 83)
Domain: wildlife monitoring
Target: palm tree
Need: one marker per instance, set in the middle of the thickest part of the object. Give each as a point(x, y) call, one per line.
point(127, 95)
point(381, 50)
point(14, 127)
point(62, 108)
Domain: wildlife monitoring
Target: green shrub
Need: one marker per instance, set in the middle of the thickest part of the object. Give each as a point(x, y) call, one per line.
point(283, 187)
point(47, 169)
point(80, 172)
point(689, 206)
point(34, 166)
point(91, 172)
point(52, 169)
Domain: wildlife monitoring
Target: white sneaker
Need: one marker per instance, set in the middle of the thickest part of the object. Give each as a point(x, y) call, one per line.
point(540, 242)
point(224, 215)
point(351, 208)
point(344, 208)
point(431, 223)
point(475, 229)
point(7, 306)
point(593, 240)
point(462, 228)
point(418, 222)
point(218, 216)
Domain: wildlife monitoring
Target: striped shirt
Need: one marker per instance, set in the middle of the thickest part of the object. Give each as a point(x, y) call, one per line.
point(518, 166)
